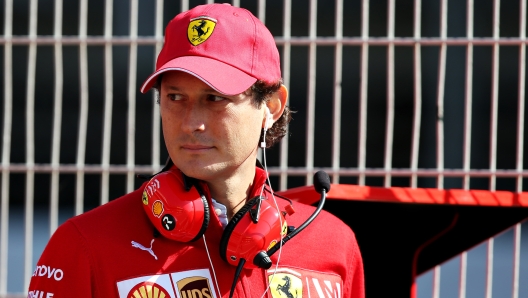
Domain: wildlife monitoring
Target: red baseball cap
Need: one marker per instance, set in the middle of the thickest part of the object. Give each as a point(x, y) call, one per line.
point(226, 47)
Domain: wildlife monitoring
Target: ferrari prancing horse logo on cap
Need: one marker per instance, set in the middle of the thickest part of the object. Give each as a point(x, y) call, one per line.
point(200, 29)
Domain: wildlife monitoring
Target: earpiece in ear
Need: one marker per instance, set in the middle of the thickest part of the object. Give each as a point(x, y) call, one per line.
point(269, 119)
point(267, 125)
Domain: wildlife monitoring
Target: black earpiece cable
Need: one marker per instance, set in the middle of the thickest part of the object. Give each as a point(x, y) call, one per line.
point(237, 275)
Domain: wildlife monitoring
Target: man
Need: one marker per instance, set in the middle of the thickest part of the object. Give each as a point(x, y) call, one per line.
point(220, 94)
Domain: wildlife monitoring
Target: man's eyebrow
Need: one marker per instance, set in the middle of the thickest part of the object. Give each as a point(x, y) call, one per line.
point(172, 88)
point(208, 90)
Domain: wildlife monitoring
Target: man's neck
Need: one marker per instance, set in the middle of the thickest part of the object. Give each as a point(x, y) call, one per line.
point(232, 192)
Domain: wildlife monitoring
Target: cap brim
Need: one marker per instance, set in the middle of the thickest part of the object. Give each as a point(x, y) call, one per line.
point(222, 77)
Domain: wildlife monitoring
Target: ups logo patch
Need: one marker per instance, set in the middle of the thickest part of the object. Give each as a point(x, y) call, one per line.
point(194, 287)
point(200, 29)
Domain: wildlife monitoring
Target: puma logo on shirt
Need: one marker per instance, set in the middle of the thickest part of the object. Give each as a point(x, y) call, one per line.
point(149, 249)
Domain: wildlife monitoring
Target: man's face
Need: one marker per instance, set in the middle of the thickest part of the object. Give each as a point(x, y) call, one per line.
point(208, 135)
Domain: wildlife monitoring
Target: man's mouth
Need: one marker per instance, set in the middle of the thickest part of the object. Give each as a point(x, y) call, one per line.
point(196, 147)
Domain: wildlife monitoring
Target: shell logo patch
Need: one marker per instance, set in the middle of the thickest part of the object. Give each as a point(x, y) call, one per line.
point(285, 285)
point(144, 198)
point(148, 290)
point(157, 208)
point(200, 29)
point(272, 244)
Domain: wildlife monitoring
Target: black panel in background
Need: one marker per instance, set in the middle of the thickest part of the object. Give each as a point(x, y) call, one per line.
point(389, 234)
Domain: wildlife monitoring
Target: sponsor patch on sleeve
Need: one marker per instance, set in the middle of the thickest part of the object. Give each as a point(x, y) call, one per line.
point(48, 272)
point(299, 283)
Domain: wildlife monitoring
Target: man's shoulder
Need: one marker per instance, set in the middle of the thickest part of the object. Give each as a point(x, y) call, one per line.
point(119, 214)
point(81, 249)
point(325, 224)
point(304, 211)
point(103, 227)
point(123, 203)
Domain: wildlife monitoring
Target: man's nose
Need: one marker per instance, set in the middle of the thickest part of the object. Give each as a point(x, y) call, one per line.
point(193, 118)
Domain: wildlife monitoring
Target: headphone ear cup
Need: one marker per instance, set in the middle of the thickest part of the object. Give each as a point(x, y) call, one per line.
point(245, 239)
point(226, 236)
point(177, 213)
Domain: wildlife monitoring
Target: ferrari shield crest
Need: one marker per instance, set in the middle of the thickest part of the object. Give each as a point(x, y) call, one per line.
point(285, 285)
point(200, 29)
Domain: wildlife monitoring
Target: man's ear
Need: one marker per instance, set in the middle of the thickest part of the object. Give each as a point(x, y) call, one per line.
point(277, 102)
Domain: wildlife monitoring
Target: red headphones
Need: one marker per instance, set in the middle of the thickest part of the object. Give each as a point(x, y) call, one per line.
point(178, 207)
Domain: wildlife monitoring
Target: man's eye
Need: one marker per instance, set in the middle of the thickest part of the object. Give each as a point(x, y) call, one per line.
point(216, 98)
point(174, 96)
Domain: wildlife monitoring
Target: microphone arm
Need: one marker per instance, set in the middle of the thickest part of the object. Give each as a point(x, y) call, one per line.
point(301, 227)
point(322, 186)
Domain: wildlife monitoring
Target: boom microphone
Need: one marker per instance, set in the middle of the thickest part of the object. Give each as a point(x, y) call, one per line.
point(321, 181)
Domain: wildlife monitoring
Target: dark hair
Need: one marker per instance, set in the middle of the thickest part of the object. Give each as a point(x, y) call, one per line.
point(261, 93)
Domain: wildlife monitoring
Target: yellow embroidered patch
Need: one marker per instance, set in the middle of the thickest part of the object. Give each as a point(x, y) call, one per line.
point(200, 29)
point(285, 285)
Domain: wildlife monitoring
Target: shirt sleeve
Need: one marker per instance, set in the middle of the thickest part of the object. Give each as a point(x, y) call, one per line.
point(355, 283)
point(64, 268)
